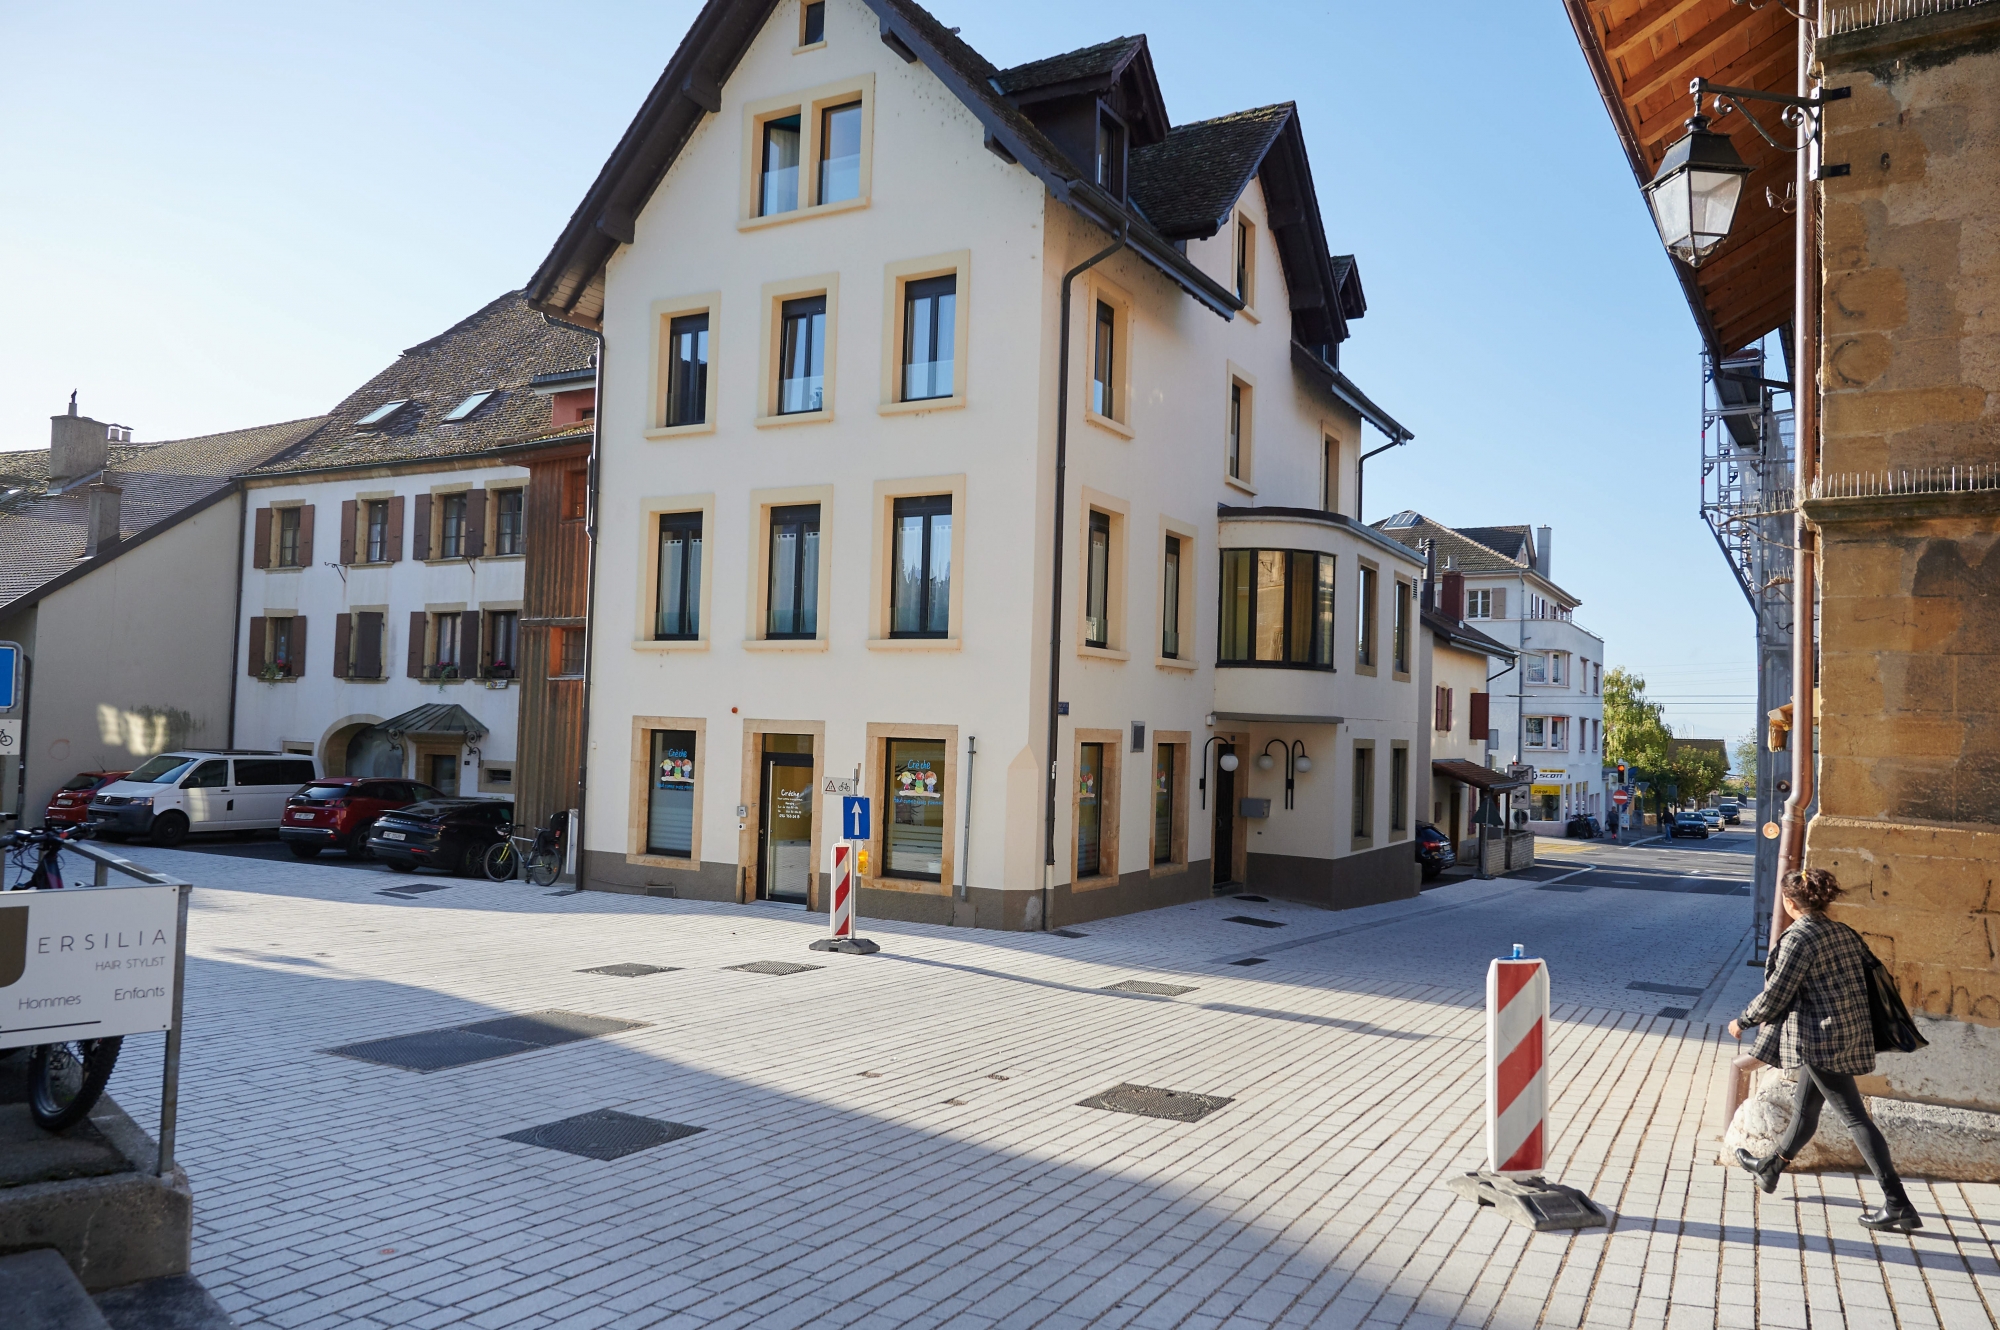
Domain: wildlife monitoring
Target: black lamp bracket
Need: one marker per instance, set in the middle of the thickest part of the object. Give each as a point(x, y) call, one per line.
point(1797, 109)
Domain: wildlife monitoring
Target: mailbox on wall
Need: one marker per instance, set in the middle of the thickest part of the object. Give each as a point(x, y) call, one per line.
point(1254, 807)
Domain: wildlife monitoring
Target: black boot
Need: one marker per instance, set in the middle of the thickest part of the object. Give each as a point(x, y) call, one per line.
point(1897, 1215)
point(1766, 1171)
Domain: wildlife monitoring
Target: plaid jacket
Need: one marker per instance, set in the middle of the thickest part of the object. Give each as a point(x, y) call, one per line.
point(1817, 983)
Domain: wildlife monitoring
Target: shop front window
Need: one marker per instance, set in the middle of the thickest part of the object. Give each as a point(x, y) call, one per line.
point(670, 796)
point(913, 844)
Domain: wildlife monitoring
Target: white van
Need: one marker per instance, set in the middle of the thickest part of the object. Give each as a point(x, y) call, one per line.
point(199, 790)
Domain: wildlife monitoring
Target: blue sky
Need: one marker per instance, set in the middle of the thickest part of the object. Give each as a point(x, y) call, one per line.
point(222, 214)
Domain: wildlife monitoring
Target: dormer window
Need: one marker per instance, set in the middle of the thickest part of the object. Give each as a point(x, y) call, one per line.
point(469, 405)
point(380, 417)
point(1111, 153)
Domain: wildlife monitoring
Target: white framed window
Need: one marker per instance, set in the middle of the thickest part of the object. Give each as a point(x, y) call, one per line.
point(1559, 733)
point(1479, 604)
point(1535, 667)
point(1240, 429)
point(1559, 667)
point(1536, 731)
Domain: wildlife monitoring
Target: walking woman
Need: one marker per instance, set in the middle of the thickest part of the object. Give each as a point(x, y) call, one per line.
point(1817, 995)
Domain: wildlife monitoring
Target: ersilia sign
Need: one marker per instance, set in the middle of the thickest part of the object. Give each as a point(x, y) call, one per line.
point(86, 963)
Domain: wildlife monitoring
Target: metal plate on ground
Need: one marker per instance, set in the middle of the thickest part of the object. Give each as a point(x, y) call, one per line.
point(1252, 920)
point(1149, 988)
point(1255, 900)
point(1672, 990)
point(773, 967)
point(604, 1133)
point(414, 889)
point(481, 1041)
point(1531, 1202)
point(546, 1029)
point(1150, 1102)
point(1068, 932)
point(1254, 960)
point(1673, 1013)
point(629, 970)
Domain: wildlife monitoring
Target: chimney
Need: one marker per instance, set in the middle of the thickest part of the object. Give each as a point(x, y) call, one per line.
point(1430, 576)
point(1544, 538)
point(1452, 605)
point(76, 445)
point(102, 533)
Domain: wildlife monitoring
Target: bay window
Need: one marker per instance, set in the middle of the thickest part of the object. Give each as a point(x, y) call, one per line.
point(1277, 609)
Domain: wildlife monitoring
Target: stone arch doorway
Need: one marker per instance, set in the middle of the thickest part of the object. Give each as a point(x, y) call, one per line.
point(347, 751)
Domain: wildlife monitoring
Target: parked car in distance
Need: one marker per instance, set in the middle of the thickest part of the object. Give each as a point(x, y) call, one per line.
point(199, 789)
point(1712, 816)
point(443, 835)
point(72, 801)
point(1434, 851)
point(1732, 814)
point(1689, 824)
point(339, 812)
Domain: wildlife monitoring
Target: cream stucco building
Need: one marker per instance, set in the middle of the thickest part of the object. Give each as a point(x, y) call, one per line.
point(858, 513)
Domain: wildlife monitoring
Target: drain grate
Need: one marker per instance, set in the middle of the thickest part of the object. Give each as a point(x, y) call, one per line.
point(1674, 990)
point(1674, 1013)
point(1253, 921)
point(414, 889)
point(1149, 988)
point(1150, 1102)
point(603, 1134)
point(482, 1041)
point(1254, 960)
point(1255, 900)
point(629, 970)
point(773, 967)
point(1068, 932)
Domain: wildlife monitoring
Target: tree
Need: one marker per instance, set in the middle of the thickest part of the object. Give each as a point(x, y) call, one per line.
point(1634, 731)
point(1696, 772)
point(1746, 757)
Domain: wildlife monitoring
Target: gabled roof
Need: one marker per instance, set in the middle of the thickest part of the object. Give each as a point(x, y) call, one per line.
point(42, 529)
point(1096, 70)
point(501, 348)
point(1465, 635)
point(1514, 542)
point(1459, 550)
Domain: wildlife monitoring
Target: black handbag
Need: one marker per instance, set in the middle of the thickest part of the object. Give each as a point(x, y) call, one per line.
point(1895, 1032)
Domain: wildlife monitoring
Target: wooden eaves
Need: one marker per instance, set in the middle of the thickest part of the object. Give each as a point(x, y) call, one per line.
point(1642, 55)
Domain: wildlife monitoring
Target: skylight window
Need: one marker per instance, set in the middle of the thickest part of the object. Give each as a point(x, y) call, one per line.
point(469, 405)
point(380, 415)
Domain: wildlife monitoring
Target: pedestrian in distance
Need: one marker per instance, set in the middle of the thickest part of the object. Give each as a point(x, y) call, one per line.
point(1813, 1015)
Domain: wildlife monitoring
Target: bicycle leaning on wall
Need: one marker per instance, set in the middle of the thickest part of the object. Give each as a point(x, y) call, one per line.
point(542, 857)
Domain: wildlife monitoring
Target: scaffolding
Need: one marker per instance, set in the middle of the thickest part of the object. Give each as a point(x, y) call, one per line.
point(1748, 502)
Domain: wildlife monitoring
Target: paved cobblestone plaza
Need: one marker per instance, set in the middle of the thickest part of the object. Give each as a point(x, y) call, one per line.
point(898, 1140)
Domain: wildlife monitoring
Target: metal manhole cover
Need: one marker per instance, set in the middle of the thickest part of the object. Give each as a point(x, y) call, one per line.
point(1674, 1013)
point(1067, 932)
point(1149, 1102)
point(1149, 988)
point(432, 1050)
point(1254, 960)
point(1253, 921)
point(774, 967)
point(603, 1134)
point(629, 969)
point(546, 1029)
point(414, 889)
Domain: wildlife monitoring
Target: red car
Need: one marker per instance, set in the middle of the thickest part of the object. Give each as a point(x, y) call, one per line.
point(72, 801)
point(341, 810)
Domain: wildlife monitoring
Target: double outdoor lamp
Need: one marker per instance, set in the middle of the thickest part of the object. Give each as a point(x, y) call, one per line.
point(1694, 194)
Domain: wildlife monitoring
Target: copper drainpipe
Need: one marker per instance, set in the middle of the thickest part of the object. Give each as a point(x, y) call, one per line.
point(1805, 421)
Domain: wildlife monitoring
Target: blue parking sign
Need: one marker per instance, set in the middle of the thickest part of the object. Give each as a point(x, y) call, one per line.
point(10, 675)
point(853, 818)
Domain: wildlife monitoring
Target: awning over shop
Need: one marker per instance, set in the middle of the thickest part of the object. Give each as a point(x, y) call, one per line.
point(1471, 773)
point(436, 718)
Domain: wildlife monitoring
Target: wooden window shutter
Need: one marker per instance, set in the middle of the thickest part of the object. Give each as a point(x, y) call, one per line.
point(260, 548)
point(396, 529)
point(1437, 709)
point(306, 537)
point(1450, 700)
point(475, 524)
point(368, 652)
point(420, 539)
point(343, 642)
point(350, 513)
point(1479, 713)
point(485, 621)
point(1499, 610)
point(419, 621)
point(299, 643)
point(253, 655)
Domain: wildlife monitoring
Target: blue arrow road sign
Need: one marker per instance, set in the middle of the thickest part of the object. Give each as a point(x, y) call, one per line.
point(853, 818)
point(10, 675)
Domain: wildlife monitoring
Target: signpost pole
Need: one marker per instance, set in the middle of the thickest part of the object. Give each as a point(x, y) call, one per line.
point(170, 1065)
point(854, 831)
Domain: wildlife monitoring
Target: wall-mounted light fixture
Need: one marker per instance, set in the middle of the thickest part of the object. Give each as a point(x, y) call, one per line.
point(1227, 762)
point(1295, 762)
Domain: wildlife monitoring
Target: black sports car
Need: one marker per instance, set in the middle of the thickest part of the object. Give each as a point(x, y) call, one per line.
point(442, 835)
point(1434, 851)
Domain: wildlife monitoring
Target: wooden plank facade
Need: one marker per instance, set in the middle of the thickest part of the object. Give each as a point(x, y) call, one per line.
point(554, 601)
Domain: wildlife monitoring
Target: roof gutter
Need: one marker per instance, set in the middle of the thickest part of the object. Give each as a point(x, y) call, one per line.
point(1344, 388)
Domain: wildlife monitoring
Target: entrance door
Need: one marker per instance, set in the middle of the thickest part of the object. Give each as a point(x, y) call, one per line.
point(785, 827)
point(1225, 818)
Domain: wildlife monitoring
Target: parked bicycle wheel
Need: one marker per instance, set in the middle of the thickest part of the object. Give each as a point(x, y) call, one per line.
point(543, 867)
point(501, 861)
point(65, 1080)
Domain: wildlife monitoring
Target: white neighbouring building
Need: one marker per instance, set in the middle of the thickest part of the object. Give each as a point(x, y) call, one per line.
point(1547, 711)
point(382, 559)
point(828, 262)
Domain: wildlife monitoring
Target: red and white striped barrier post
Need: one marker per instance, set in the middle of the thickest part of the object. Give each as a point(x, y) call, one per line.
point(1517, 1087)
point(840, 911)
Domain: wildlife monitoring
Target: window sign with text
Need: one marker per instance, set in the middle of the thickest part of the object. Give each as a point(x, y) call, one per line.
point(914, 835)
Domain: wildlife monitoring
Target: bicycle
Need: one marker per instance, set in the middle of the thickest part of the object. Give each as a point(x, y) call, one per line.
point(542, 862)
point(65, 1080)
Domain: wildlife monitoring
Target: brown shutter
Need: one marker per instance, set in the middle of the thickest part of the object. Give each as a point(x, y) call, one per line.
point(260, 550)
point(368, 652)
point(343, 641)
point(418, 622)
point(420, 540)
point(253, 655)
point(1499, 602)
point(1480, 715)
point(475, 524)
point(396, 529)
point(350, 512)
point(306, 536)
point(298, 646)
